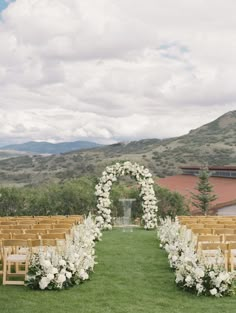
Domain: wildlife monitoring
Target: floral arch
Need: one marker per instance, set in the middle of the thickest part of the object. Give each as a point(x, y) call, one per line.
point(144, 179)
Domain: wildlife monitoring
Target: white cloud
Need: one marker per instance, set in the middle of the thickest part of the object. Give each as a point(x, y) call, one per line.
point(106, 70)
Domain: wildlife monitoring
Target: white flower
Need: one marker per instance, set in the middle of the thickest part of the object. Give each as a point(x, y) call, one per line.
point(174, 258)
point(50, 276)
point(179, 278)
point(46, 263)
point(83, 275)
point(224, 276)
point(44, 283)
point(212, 274)
point(61, 278)
point(68, 275)
point(213, 291)
point(189, 279)
point(199, 272)
point(62, 263)
point(199, 288)
point(54, 270)
point(191, 269)
point(143, 177)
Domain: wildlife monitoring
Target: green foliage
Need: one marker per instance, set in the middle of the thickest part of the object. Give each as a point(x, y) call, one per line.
point(77, 196)
point(170, 203)
point(204, 196)
point(11, 201)
point(71, 197)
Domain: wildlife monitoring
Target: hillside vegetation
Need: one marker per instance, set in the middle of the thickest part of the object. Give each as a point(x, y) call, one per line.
point(213, 143)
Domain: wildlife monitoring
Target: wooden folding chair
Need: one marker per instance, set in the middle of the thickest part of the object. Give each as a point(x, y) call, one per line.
point(12, 258)
point(1, 257)
point(25, 236)
point(6, 236)
point(42, 226)
point(208, 239)
point(202, 231)
point(59, 237)
point(230, 226)
point(59, 230)
point(36, 231)
point(63, 225)
point(221, 231)
point(232, 255)
point(210, 251)
point(57, 244)
point(229, 238)
point(8, 231)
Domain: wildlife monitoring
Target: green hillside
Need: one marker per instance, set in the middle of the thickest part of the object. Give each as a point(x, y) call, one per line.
point(213, 143)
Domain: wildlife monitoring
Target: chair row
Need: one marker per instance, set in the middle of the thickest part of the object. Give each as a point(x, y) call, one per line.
point(213, 231)
point(225, 253)
point(206, 221)
point(211, 225)
point(36, 226)
point(30, 220)
point(15, 255)
point(59, 235)
point(214, 239)
point(6, 233)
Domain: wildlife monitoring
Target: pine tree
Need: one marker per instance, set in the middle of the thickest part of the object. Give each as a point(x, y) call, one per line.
point(204, 196)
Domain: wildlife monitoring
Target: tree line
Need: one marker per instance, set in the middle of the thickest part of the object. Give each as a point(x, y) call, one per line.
point(77, 197)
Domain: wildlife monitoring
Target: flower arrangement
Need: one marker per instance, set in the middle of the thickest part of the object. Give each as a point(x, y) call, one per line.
point(143, 177)
point(194, 272)
point(70, 264)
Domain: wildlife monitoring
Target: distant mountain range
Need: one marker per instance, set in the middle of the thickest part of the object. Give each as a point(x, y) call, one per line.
point(50, 148)
point(212, 144)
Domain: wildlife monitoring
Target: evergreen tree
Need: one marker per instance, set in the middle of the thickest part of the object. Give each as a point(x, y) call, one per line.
point(204, 196)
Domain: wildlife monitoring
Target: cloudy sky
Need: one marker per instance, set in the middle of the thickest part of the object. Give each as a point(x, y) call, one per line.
point(114, 70)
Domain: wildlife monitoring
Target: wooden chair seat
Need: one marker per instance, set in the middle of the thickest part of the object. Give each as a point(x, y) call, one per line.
point(229, 238)
point(202, 231)
point(13, 261)
point(210, 251)
point(208, 239)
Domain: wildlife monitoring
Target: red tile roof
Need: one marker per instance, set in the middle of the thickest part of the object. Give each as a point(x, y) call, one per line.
point(197, 167)
point(224, 188)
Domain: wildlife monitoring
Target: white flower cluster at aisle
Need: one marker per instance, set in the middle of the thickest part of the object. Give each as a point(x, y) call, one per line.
point(67, 265)
point(144, 179)
point(194, 273)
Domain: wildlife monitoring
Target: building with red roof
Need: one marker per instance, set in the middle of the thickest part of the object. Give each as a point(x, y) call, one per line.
point(223, 180)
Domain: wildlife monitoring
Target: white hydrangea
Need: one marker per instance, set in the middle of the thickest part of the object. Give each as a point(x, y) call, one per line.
point(73, 260)
point(193, 272)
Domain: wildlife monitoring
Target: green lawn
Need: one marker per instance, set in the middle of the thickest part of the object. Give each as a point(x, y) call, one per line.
point(132, 275)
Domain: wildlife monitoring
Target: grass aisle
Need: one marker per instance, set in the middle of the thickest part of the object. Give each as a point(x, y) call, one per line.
point(132, 276)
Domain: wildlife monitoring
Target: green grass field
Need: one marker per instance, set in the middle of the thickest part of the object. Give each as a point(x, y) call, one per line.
point(132, 276)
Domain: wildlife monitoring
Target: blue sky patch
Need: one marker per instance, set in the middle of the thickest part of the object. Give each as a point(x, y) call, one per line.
point(4, 4)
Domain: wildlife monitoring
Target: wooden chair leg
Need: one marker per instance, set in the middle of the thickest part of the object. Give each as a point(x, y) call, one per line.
point(4, 276)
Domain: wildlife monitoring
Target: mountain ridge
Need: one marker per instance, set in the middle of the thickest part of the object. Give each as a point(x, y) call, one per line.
point(213, 144)
point(44, 147)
